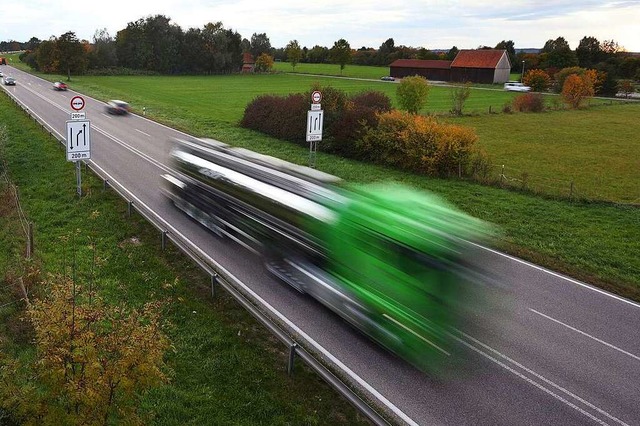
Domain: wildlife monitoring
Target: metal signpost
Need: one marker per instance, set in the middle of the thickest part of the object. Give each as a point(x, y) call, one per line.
point(78, 138)
point(314, 126)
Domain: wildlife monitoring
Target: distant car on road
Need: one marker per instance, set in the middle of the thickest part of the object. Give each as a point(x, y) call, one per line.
point(9, 81)
point(118, 107)
point(59, 85)
point(387, 78)
point(514, 86)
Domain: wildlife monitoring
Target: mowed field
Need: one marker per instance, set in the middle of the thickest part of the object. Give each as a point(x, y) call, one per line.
point(594, 148)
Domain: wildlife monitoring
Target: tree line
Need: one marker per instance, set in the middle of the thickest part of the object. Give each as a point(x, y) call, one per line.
point(155, 44)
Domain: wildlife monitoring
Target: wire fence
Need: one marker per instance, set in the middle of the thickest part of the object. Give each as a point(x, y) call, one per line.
point(515, 179)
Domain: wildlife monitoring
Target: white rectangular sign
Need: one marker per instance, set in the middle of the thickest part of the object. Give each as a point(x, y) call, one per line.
point(78, 115)
point(314, 125)
point(78, 140)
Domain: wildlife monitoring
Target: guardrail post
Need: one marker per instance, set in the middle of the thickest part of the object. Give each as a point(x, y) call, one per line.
point(164, 240)
point(292, 356)
point(105, 184)
point(214, 281)
point(129, 206)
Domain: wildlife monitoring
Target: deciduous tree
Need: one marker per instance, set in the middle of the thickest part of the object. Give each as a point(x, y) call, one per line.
point(264, 63)
point(294, 53)
point(537, 79)
point(340, 53)
point(576, 89)
point(412, 93)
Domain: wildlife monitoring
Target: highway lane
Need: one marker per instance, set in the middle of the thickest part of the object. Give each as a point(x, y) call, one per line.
point(559, 352)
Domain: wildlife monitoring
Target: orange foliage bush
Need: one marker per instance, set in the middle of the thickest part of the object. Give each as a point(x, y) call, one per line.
point(576, 89)
point(529, 102)
point(419, 144)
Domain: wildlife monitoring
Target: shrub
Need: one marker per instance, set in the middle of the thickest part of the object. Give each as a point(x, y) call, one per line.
point(576, 89)
point(459, 95)
point(277, 116)
point(418, 144)
point(529, 102)
point(537, 79)
point(412, 93)
point(360, 112)
point(626, 87)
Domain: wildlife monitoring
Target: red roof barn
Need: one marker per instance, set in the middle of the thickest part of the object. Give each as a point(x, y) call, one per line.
point(476, 66)
point(481, 66)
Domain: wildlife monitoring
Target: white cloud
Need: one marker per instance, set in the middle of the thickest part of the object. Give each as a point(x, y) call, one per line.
point(419, 23)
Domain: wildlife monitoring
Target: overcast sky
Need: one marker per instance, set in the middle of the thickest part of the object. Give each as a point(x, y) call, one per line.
point(434, 24)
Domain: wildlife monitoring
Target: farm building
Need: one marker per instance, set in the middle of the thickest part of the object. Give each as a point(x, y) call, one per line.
point(430, 69)
point(476, 66)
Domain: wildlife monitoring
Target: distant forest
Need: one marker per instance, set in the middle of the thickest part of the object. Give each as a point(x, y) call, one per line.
point(156, 45)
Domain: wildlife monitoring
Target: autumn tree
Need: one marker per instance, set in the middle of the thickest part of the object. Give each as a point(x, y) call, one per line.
point(412, 93)
point(264, 63)
point(537, 79)
point(340, 53)
point(294, 53)
point(576, 89)
point(92, 360)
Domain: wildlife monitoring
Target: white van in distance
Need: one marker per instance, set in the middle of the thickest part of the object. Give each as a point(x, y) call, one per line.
point(514, 86)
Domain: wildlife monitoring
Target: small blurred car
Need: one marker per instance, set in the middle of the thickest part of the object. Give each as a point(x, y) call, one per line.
point(387, 78)
point(514, 86)
point(9, 81)
point(117, 107)
point(58, 85)
point(1, 74)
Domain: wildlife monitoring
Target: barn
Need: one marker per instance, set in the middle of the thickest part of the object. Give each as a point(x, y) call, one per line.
point(476, 66)
point(430, 69)
point(481, 66)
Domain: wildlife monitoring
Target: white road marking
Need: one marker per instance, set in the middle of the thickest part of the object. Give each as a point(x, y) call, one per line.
point(586, 334)
point(557, 275)
point(538, 376)
point(146, 134)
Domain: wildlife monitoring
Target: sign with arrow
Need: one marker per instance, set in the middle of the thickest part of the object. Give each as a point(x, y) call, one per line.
point(78, 140)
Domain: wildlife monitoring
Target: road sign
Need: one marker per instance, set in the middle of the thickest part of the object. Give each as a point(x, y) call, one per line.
point(78, 115)
point(314, 125)
point(78, 140)
point(316, 96)
point(316, 107)
point(77, 103)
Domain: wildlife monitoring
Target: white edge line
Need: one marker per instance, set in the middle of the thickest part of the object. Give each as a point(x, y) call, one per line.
point(539, 376)
point(555, 274)
point(586, 334)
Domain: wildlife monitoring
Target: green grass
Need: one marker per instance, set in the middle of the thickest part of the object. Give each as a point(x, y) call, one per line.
point(225, 368)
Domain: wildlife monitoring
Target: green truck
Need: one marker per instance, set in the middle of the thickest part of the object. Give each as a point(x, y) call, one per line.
point(394, 262)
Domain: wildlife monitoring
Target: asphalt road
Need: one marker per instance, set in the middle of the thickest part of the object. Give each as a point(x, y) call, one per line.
point(551, 351)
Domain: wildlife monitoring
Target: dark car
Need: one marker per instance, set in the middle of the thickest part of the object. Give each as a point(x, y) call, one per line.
point(118, 107)
point(58, 85)
point(9, 81)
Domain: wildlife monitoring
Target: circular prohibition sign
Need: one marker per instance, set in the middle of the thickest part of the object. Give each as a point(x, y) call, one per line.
point(77, 103)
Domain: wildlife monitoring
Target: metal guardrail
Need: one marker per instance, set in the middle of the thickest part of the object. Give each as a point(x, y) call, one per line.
point(297, 346)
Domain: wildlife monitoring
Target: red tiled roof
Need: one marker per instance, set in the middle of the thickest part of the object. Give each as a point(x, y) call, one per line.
point(421, 63)
point(482, 58)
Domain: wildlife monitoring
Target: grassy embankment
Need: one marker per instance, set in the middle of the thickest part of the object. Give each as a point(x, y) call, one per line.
point(225, 368)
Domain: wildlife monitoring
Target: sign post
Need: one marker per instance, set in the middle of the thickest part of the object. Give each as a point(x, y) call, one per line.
point(78, 138)
point(314, 126)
